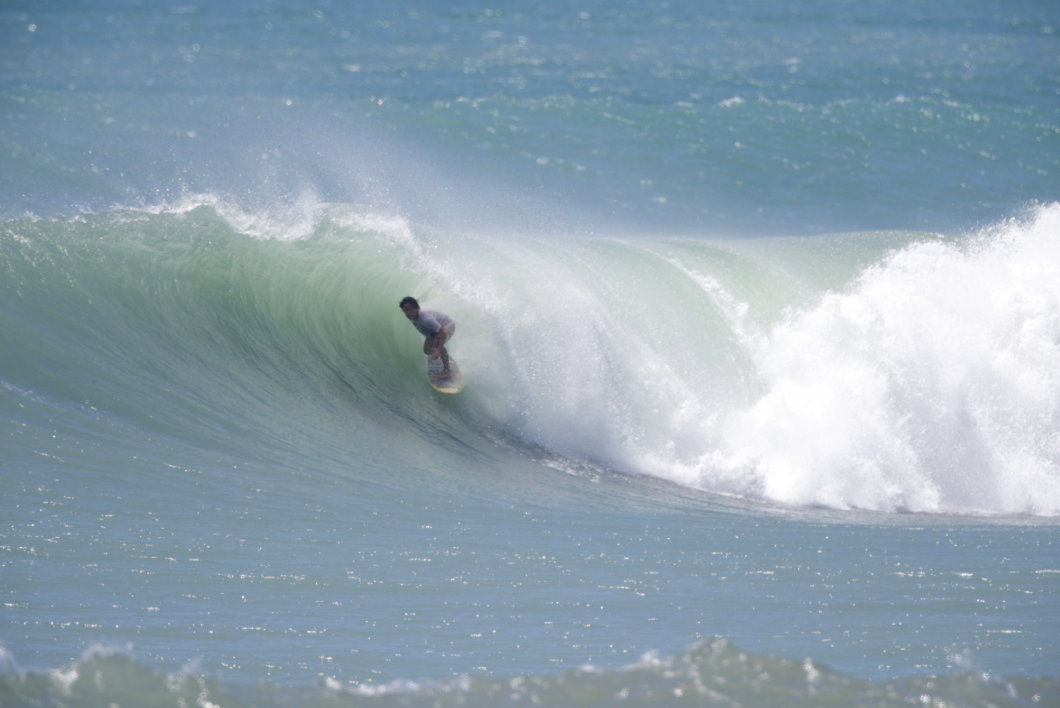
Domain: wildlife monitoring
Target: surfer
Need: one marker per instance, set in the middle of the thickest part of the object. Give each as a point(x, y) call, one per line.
point(437, 327)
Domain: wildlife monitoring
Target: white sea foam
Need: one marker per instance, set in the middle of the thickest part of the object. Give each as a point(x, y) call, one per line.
point(933, 384)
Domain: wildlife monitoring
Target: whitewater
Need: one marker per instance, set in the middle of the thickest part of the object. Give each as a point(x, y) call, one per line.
point(758, 309)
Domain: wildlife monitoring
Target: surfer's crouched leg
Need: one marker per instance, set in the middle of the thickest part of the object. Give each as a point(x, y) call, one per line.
point(438, 342)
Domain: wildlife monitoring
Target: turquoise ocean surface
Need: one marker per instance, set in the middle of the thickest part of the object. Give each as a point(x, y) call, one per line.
point(758, 308)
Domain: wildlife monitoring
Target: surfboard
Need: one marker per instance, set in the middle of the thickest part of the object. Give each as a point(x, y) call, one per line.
point(451, 382)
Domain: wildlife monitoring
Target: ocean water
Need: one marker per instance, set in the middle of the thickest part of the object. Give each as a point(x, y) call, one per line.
point(758, 307)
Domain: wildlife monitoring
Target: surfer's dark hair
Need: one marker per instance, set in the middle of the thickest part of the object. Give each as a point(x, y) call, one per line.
point(409, 300)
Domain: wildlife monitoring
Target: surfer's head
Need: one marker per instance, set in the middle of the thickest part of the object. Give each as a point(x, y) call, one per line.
point(410, 307)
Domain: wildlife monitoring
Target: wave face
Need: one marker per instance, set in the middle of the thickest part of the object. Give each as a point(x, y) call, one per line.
point(882, 371)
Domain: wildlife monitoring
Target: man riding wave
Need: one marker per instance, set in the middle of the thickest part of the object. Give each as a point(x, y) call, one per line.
point(437, 327)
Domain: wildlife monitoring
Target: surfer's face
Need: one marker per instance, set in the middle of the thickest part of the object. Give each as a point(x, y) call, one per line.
point(411, 311)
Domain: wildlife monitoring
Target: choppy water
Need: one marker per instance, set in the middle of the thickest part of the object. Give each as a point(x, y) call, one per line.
point(758, 307)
